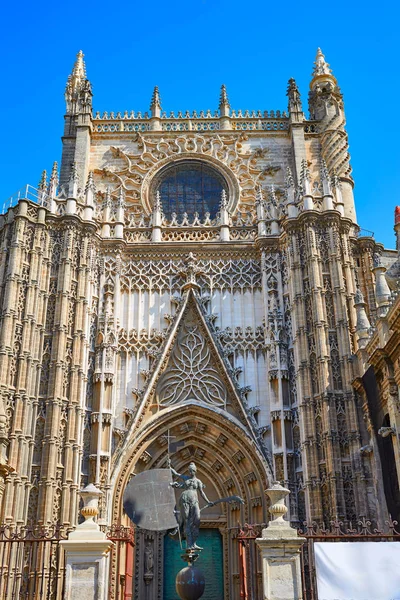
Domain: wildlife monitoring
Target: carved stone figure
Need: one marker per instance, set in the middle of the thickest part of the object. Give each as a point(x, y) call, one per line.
point(148, 559)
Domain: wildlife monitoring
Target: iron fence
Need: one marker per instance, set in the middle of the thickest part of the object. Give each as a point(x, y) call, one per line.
point(121, 562)
point(337, 531)
point(31, 562)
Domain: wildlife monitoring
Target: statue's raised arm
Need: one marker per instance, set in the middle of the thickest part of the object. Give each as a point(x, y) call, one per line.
point(175, 473)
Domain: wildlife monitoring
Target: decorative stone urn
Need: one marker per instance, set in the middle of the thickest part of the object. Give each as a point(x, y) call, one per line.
point(280, 548)
point(86, 553)
point(90, 496)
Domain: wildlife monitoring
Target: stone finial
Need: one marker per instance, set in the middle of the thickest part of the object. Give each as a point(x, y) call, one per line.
point(53, 184)
point(79, 69)
point(363, 325)
point(272, 196)
point(78, 75)
point(290, 193)
point(326, 187)
point(321, 67)
point(78, 91)
point(191, 272)
point(42, 186)
point(305, 177)
point(337, 188)
point(322, 73)
point(224, 105)
point(121, 198)
point(259, 197)
point(382, 290)
point(155, 105)
point(223, 97)
point(90, 186)
point(294, 98)
point(73, 181)
point(260, 207)
point(289, 181)
point(397, 215)
point(157, 218)
point(107, 201)
point(358, 297)
point(223, 205)
point(157, 203)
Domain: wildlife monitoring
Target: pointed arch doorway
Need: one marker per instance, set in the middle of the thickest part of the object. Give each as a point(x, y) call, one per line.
point(228, 462)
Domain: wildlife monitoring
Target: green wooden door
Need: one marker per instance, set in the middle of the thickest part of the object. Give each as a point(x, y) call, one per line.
point(210, 562)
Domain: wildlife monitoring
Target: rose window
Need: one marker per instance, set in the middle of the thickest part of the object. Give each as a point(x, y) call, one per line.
point(190, 187)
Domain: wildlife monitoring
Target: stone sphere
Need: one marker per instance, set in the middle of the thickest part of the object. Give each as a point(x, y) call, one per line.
point(190, 583)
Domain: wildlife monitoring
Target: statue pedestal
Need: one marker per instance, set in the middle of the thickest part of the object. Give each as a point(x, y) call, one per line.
point(280, 548)
point(86, 555)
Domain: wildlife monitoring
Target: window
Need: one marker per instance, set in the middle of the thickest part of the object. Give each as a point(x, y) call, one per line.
point(190, 187)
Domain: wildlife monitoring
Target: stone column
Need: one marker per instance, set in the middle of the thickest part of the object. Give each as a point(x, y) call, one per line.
point(280, 548)
point(86, 554)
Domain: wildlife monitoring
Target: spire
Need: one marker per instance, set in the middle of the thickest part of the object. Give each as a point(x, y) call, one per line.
point(78, 91)
point(294, 105)
point(155, 105)
point(321, 67)
point(322, 73)
point(224, 104)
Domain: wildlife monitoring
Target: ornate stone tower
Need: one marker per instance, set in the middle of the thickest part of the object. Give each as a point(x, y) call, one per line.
point(190, 277)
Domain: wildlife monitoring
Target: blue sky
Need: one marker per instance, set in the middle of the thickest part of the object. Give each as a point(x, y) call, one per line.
point(188, 48)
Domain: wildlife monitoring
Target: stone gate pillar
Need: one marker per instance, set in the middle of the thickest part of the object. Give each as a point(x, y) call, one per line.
point(86, 552)
point(280, 548)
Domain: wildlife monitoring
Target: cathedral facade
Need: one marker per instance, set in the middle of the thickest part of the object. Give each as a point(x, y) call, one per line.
point(200, 278)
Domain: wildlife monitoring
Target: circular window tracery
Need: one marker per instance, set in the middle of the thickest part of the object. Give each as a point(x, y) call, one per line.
point(190, 187)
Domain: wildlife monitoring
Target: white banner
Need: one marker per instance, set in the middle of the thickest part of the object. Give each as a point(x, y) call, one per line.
point(358, 570)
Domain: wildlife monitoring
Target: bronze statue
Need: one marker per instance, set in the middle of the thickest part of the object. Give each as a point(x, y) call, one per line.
point(189, 509)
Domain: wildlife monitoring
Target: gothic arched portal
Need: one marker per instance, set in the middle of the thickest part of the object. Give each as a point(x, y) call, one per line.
point(228, 462)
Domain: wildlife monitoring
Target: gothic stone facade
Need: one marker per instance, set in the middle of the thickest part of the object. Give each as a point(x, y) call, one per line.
point(229, 324)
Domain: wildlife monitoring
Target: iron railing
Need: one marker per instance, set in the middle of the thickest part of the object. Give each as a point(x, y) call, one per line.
point(337, 531)
point(121, 561)
point(365, 233)
point(28, 192)
point(31, 562)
